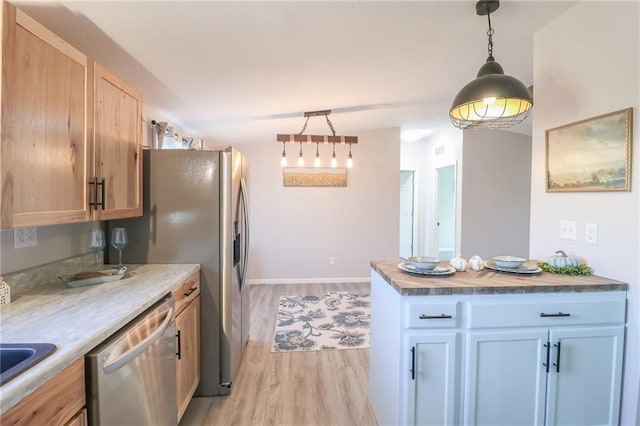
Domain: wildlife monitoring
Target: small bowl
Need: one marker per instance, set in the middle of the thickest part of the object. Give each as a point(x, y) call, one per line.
point(424, 262)
point(511, 262)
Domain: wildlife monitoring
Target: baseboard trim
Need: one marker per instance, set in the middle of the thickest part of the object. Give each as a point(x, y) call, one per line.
point(309, 280)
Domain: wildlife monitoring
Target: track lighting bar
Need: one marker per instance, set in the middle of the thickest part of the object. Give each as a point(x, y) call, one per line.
point(296, 138)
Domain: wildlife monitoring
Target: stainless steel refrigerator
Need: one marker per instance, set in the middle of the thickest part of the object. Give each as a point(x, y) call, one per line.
point(196, 211)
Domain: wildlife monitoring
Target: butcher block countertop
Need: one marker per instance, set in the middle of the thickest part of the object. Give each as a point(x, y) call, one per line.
point(490, 282)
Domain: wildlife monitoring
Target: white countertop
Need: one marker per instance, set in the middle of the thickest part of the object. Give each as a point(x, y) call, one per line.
point(78, 319)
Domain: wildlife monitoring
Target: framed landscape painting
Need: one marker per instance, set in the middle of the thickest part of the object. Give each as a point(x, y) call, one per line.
point(590, 155)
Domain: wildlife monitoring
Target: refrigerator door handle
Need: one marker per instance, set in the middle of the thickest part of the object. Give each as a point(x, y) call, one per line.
point(245, 219)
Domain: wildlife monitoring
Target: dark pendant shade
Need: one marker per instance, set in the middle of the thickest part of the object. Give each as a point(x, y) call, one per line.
point(492, 101)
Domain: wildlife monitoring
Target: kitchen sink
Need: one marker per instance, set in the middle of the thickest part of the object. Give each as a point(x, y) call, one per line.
point(15, 358)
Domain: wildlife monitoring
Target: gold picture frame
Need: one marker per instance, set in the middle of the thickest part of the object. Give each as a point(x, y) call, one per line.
point(591, 155)
point(314, 176)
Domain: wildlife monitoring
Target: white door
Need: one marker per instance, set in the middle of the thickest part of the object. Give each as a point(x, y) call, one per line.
point(446, 211)
point(433, 379)
point(584, 385)
point(406, 213)
point(505, 379)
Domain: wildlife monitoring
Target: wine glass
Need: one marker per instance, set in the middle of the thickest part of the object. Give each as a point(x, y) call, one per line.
point(96, 242)
point(119, 240)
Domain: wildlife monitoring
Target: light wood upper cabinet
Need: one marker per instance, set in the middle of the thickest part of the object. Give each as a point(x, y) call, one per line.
point(117, 147)
point(45, 126)
point(71, 132)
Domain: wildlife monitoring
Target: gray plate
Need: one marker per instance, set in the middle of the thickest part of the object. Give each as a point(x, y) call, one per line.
point(110, 275)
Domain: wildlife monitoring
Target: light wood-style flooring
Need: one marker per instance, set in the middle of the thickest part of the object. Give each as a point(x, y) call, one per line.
point(327, 388)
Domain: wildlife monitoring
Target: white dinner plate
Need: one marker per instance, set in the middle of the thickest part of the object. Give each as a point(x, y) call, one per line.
point(526, 268)
point(435, 272)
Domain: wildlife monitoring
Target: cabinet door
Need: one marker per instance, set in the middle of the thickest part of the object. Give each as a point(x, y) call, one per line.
point(45, 138)
point(432, 397)
point(584, 385)
point(118, 146)
point(188, 363)
point(505, 380)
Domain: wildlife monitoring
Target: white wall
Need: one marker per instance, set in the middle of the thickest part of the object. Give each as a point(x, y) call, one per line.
point(294, 231)
point(586, 63)
point(496, 181)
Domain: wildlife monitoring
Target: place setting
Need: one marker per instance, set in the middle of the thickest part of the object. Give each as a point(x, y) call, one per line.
point(513, 265)
point(426, 266)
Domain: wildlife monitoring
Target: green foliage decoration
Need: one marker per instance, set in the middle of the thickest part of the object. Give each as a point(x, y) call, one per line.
point(567, 270)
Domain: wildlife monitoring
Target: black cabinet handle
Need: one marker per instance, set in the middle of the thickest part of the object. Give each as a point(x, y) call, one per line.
point(94, 204)
point(546, 364)
point(441, 316)
point(557, 363)
point(413, 363)
point(191, 290)
point(559, 314)
point(102, 203)
point(179, 353)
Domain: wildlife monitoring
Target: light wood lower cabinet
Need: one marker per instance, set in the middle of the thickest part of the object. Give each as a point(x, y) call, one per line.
point(187, 298)
point(59, 401)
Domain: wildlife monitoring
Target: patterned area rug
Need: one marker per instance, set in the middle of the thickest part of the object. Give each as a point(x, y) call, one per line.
point(338, 320)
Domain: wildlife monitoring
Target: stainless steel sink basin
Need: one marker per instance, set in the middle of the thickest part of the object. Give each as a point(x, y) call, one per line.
point(16, 358)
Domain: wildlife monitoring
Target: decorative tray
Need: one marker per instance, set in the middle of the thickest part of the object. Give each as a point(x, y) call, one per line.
point(526, 268)
point(90, 278)
point(435, 272)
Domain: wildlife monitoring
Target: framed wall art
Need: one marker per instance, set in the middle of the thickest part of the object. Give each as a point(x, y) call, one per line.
point(590, 155)
point(312, 176)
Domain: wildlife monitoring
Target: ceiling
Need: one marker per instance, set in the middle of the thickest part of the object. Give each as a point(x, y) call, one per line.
point(239, 72)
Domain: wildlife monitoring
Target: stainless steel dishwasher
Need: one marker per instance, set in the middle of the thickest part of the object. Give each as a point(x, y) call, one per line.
point(131, 377)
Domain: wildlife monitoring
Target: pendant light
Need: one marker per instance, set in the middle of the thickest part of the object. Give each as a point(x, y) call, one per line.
point(316, 162)
point(493, 100)
point(301, 138)
point(283, 159)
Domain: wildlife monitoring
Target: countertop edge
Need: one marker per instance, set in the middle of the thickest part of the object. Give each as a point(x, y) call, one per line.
point(20, 387)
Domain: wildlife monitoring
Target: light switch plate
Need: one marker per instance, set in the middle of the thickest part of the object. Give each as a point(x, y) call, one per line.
point(568, 230)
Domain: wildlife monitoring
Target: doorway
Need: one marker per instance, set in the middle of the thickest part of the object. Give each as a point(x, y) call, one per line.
point(406, 213)
point(446, 211)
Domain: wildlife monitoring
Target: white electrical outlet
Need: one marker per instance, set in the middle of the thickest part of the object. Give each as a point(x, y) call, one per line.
point(332, 260)
point(568, 230)
point(591, 233)
point(25, 237)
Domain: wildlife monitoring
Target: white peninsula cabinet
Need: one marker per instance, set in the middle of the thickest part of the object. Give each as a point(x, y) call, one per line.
point(485, 348)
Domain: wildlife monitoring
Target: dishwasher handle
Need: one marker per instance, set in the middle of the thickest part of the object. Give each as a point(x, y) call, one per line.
point(140, 347)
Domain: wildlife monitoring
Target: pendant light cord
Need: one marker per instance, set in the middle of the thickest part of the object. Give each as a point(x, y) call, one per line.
point(490, 34)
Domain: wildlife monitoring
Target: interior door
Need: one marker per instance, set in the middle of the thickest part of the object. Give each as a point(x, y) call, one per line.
point(406, 213)
point(446, 211)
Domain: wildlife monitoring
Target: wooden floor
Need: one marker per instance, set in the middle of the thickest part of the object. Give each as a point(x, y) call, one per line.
point(299, 388)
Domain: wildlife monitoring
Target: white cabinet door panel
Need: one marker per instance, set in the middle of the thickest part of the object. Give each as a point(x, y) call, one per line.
point(586, 389)
point(432, 378)
point(505, 380)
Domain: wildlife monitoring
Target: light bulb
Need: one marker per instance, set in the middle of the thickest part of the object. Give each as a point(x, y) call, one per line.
point(316, 162)
point(300, 161)
point(283, 160)
point(349, 162)
point(489, 101)
point(334, 162)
